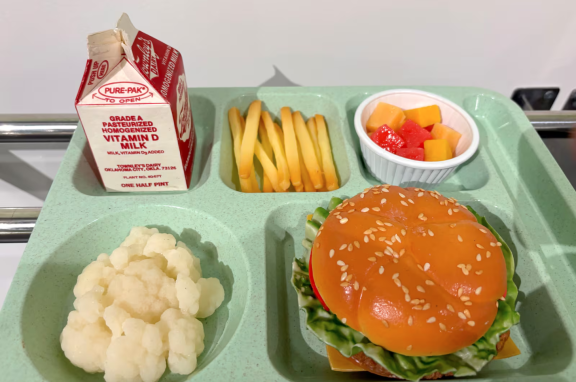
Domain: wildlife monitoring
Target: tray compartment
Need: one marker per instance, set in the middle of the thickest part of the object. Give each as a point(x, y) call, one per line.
point(49, 298)
point(308, 103)
point(543, 335)
point(86, 178)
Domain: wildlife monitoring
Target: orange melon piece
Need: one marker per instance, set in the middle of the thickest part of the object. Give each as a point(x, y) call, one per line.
point(385, 114)
point(424, 116)
point(436, 150)
point(440, 131)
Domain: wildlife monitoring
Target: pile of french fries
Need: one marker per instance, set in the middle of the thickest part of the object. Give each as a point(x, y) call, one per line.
point(297, 153)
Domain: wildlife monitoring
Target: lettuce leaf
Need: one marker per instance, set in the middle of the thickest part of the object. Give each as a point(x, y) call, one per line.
point(468, 361)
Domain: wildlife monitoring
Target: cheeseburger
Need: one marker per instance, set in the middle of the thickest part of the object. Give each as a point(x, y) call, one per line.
point(407, 283)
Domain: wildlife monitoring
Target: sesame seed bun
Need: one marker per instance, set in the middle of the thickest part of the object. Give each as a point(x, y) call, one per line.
point(410, 269)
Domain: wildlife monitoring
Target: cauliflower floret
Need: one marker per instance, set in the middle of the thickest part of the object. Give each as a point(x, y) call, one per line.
point(115, 317)
point(138, 238)
point(184, 336)
point(85, 343)
point(96, 273)
point(194, 258)
point(211, 296)
point(89, 305)
point(159, 243)
point(136, 356)
point(121, 256)
point(144, 291)
point(188, 294)
point(181, 261)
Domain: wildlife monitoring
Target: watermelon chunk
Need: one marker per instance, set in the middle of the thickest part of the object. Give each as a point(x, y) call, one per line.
point(429, 128)
point(414, 153)
point(413, 134)
point(386, 138)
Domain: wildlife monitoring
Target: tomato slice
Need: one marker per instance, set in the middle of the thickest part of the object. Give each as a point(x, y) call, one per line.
point(314, 285)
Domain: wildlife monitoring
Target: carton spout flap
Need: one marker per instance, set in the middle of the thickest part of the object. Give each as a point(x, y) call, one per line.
point(128, 32)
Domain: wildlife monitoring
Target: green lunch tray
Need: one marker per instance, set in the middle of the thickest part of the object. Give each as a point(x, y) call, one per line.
point(249, 242)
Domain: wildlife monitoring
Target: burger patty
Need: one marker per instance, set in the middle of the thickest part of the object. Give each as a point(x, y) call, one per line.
point(370, 365)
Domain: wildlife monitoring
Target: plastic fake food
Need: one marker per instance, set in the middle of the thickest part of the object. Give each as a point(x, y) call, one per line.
point(412, 282)
point(401, 132)
point(296, 153)
point(138, 308)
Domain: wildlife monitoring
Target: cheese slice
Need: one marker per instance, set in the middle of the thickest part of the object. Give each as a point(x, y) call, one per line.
point(340, 363)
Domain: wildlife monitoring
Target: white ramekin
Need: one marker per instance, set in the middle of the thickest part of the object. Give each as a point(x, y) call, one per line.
point(393, 169)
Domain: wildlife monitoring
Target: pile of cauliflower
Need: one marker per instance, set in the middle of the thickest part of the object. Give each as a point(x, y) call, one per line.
point(138, 307)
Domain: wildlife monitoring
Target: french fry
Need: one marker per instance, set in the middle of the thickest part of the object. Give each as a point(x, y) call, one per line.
point(312, 129)
point(249, 139)
point(308, 153)
point(236, 128)
point(266, 184)
point(308, 186)
point(300, 188)
point(268, 166)
point(254, 187)
point(326, 150)
point(283, 171)
point(291, 147)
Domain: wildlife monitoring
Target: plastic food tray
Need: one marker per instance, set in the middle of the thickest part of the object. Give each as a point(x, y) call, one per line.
point(250, 240)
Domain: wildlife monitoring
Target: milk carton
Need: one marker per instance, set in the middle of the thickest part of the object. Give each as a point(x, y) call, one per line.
point(133, 105)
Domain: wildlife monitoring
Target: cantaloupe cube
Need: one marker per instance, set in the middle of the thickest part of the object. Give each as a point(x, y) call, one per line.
point(385, 114)
point(440, 131)
point(436, 150)
point(424, 116)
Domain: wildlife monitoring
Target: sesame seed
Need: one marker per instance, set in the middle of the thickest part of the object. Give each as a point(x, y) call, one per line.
point(385, 323)
point(368, 231)
point(395, 254)
point(452, 225)
point(381, 270)
point(478, 257)
point(398, 238)
point(450, 211)
point(483, 230)
point(371, 259)
point(344, 268)
point(499, 244)
point(405, 289)
point(352, 204)
point(426, 267)
point(376, 209)
point(502, 298)
point(478, 272)
point(343, 320)
point(493, 244)
point(410, 321)
point(402, 251)
point(420, 289)
point(460, 266)
point(362, 196)
point(317, 245)
point(430, 232)
point(456, 210)
point(389, 250)
point(421, 215)
point(343, 221)
point(383, 201)
point(331, 253)
point(366, 240)
point(388, 224)
point(397, 282)
point(343, 277)
point(403, 232)
point(488, 254)
point(349, 278)
point(344, 285)
point(352, 210)
point(460, 291)
point(478, 290)
point(384, 190)
point(389, 242)
point(336, 213)
point(404, 203)
point(471, 323)
point(420, 267)
point(395, 275)
point(343, 246)
point(479, 246)
point(366, 209)
point(409, 347)
point(350, 247)
point(411, 201)
point(468, 267)
point(356, 244)
point(379, 254)
point(415, 301)
point(465, 298)
point(450, 308)
point(465, 271)
point(426, 306)
point(340, 262)
point(379, 222)
point(401, 195)
point(382, 229)
point(417, 307)
point(429, 282)
point(467, 313)
point(420, 194)
point(364, 289)
point(442, 326)
point(382, 238)
point(356, 285)
point(431, 320)
point(372, 236)
point(460, 239)
point(407, 297)
point(395, 261)
point(461, 315)
point(468, 303)
point(338, 217)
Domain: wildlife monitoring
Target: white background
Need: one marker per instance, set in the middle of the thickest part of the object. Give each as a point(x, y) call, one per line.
point(496, 44)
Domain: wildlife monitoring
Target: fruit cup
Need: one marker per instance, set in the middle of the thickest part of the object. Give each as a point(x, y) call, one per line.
point(393, 169)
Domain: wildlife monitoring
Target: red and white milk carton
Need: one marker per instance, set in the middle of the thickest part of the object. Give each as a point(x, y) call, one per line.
point(133, 105)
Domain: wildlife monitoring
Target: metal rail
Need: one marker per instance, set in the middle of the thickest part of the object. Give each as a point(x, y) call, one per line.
point(16, 224)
